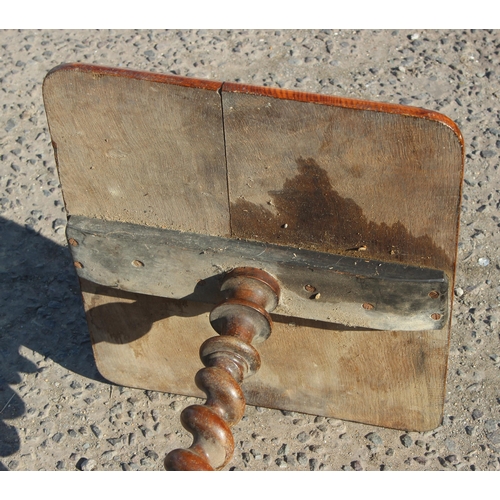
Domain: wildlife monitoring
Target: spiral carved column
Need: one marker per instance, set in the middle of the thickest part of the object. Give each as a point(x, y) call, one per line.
point(241, 320)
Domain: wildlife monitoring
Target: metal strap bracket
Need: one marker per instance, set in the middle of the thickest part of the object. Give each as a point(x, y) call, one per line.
point(350, 291)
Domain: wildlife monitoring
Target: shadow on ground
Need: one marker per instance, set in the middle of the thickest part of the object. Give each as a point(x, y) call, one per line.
point(40, 309)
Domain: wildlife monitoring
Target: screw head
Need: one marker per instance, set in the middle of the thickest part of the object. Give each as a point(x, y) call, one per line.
point(78, 265)
point(436, 316)
point(137, 263)
point(368, 306)
point(73, 242)
point(434, 294)
point(310, 288)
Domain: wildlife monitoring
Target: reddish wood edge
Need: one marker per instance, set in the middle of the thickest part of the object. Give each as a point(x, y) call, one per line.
point(292, 95)
point(138, 75)
point(344, 102)
point(277, 93)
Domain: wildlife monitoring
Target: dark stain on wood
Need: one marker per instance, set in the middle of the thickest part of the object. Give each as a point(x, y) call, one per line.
point(420, 361)
point(312, 215)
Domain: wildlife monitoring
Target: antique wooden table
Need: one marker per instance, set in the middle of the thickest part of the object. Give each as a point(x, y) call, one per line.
point(346, 212)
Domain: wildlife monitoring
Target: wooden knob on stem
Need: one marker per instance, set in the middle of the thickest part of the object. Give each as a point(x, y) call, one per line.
point(241, 320)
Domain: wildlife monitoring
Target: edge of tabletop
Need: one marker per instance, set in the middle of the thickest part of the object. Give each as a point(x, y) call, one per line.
point(136, 75)
point(277, 93)
point(344, 102)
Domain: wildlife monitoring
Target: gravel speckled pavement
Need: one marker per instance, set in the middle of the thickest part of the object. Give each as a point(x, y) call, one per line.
point(56, 411)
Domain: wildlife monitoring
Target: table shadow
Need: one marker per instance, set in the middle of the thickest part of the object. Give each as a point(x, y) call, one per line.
point(40, 310)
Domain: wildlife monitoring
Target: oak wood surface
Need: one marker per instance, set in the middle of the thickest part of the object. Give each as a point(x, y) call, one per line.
point(139, 149)
point(316, 172)
point(391, 379)
point(344, 102)
point(335, 179)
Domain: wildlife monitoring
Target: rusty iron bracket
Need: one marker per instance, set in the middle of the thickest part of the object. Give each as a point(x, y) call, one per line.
point(344, 290)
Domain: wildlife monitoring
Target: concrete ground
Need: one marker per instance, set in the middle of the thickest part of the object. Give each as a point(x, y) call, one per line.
point(56, 411)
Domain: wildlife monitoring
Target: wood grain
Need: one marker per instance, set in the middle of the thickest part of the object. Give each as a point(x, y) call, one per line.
point(138, 148)
point(335, 179)
point(344, 102)
point(180, 81)
point(391, 379)
point(317, 172)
